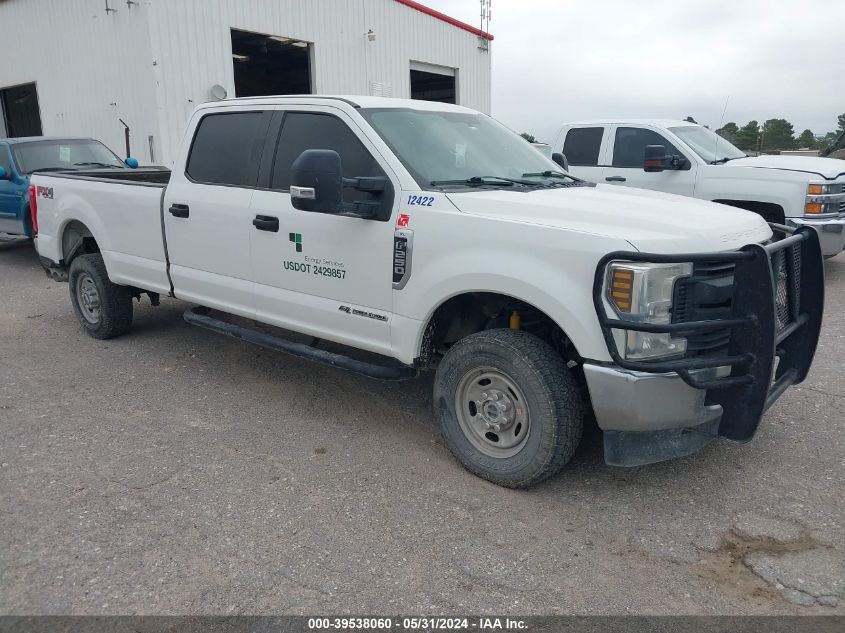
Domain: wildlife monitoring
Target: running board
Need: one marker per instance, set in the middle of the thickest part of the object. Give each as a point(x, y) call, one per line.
point(370, 370)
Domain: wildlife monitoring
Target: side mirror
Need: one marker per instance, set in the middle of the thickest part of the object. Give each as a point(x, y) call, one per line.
point(131, 163)
point(4, 175)
point(560, 159)
point(316, 181)
point(654, 158)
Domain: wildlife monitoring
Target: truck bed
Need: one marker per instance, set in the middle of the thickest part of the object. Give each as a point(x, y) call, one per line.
point(121, 209)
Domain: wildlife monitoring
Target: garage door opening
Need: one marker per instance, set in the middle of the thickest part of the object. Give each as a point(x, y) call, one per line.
point(270, 65)
point(20, 114)
point(433, 83)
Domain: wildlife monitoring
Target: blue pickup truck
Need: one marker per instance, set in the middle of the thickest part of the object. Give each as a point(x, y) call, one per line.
point(20, 157)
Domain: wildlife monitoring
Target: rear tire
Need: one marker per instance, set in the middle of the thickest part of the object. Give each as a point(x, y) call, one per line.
point(104, 309)
point(509, 408)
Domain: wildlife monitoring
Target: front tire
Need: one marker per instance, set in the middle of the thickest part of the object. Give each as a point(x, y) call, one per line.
point(509, 408)
point(103, 308)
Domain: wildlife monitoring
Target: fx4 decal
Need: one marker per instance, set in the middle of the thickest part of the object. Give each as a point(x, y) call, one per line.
point(44, 192)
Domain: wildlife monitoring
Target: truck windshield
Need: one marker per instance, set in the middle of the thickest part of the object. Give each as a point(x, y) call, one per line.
point(63, 154)
point(458, 149)
point(711, 147)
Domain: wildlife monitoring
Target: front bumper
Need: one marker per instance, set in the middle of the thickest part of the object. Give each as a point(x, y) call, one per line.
point(655, 410)
point(831, 232)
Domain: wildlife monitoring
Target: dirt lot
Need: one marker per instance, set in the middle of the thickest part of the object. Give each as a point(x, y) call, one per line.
point(176, 471)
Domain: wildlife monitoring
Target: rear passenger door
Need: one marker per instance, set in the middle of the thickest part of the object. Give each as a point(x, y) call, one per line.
point(207, 210)
point(627, 151)
point(584, 148)
point(326, 275)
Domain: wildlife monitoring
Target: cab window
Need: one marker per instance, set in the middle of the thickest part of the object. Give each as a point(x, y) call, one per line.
point(313, 130)
point(629, 146)
point(227, 149)
point(582, 146)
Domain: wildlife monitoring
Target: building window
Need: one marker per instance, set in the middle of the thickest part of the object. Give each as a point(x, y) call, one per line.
point(433, 83)
point(270, 64)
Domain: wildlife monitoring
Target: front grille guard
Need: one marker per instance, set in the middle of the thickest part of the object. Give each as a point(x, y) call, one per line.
point(776, 314)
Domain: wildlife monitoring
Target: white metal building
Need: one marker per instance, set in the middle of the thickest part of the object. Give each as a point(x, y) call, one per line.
point(80, 67)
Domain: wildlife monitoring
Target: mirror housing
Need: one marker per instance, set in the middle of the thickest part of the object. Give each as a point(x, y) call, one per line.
point(131, 163)
point(5, 175)
point(560, 159)
point(316, 181)
point(656, 159)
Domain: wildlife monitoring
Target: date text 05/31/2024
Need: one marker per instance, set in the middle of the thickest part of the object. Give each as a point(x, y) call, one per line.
point(418, 623)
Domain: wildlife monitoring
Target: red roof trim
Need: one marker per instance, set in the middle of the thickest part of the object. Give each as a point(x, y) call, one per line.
point(445, 18)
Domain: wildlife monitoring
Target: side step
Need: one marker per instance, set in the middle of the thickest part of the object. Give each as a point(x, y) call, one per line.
point(370, 370)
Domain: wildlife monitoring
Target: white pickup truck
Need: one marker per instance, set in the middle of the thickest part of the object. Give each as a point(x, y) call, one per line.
point(690, 160)
point(433, 236)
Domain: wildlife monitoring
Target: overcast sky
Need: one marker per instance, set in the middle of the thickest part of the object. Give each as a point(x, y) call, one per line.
point(556, 61)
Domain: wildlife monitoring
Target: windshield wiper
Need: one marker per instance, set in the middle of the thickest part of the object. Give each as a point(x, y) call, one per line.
point(85, 164)
point(478, 181)
point(724, 160)
point(43, 169)
point(552, 174)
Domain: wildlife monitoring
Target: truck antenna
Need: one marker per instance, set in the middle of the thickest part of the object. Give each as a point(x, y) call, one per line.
point(721, 123)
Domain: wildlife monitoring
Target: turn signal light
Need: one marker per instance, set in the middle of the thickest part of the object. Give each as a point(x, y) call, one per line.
point(622, 288)
point(815, 190)
point(813, 207)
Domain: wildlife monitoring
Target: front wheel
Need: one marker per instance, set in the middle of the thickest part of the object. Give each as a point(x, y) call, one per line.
point(104, 309)
point(509, 408)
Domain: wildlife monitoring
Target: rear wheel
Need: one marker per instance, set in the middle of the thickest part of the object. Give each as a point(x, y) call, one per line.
point(509, 408)
point(104, 309)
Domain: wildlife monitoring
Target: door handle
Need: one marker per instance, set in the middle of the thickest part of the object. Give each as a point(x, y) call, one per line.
point(179, 210)
point(266, 223)
point(615, 179)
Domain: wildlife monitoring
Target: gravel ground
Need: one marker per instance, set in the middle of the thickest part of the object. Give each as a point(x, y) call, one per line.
point(175, 471)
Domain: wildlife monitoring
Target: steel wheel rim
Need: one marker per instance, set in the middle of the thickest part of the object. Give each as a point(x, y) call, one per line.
point(492, 412)
point(88, 298)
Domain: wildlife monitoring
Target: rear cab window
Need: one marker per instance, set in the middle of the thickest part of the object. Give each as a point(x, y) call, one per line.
point(582, 146)
point(227, 148)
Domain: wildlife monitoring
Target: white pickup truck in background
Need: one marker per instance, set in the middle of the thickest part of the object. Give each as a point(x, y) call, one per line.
point(691, 160)
point(430, 234)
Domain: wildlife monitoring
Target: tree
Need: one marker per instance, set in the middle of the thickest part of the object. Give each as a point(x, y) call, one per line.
point(528, 137)
point(778, 134)
point(728, 132)
point(746, 136)
point(807, 139)
point(841, 119)
point(828, 139)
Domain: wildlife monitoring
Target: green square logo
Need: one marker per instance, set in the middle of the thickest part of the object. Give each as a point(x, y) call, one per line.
point(296, 238)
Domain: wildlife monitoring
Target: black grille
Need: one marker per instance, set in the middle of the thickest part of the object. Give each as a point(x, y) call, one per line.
point(786, 272)
point(706, 294)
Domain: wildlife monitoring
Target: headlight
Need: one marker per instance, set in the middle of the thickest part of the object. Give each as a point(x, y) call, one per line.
point(824, 198)
point(642, 293)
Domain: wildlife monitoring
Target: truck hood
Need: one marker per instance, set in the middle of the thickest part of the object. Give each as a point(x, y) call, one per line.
point(648, 220)
point(825, 167)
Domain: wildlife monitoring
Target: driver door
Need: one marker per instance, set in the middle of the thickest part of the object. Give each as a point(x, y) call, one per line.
point(627, 151)
point(326, 275)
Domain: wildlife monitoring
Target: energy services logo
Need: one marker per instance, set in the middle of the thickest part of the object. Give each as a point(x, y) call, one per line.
point(296, 238)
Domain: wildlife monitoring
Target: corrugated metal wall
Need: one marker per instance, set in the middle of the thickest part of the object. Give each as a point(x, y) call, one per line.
point(152, 63)
point(91, 69)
